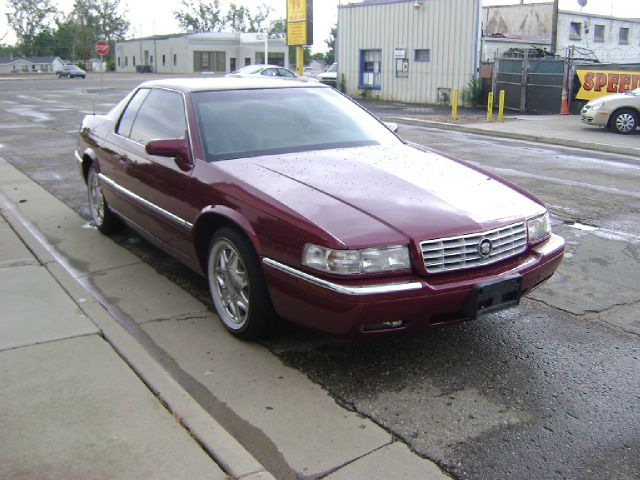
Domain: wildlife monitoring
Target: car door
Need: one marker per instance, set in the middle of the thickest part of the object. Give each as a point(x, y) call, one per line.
point(158, 186)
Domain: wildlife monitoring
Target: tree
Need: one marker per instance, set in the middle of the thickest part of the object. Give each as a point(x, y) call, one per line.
point(109, 22)
point(28, 18)
point(200, 16)
point(330, 56)
point(277, 28)
point(236, 18)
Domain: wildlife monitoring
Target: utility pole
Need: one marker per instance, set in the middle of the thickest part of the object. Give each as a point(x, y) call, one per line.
point(554, 26)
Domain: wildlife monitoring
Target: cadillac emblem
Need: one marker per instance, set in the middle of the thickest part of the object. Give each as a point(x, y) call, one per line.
point(485, 247)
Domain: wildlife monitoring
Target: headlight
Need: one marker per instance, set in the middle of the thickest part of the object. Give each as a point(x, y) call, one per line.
point(538, 228)
point(597, 105)
point(350, 262)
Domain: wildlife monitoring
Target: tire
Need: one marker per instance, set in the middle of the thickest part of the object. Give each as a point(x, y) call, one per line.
point(101, 216)
point(237, 285)
point(624, 121)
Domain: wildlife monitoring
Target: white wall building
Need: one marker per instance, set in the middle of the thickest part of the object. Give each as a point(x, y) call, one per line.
point(215, 52)
point(415, 51)
point(607, 39)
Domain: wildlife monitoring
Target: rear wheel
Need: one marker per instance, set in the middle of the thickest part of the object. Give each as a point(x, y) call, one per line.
point(237, 286)
point(624, 121)
point(101, 216)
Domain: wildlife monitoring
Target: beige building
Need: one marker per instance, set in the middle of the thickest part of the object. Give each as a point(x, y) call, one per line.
point(415, 51)
point(214, 52)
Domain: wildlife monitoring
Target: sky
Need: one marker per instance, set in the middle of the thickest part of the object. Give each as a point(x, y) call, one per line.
point(150, 17)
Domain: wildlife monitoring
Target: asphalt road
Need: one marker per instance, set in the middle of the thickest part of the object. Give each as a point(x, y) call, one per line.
point(548, 390)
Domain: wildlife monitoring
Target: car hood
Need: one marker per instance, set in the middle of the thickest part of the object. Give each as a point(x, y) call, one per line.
point(617, 98)
point(387, 193)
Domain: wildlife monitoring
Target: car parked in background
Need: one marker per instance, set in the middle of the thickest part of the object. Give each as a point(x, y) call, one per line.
point(269, 71)
point(291, 198)
point(619, 111)
point(330, 76)
point(71, 71)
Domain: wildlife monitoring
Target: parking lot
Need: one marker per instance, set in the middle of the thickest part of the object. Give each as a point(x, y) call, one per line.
point(547, 390)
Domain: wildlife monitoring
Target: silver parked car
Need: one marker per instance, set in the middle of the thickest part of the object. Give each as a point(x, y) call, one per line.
point(269, 71)
point(620, 111)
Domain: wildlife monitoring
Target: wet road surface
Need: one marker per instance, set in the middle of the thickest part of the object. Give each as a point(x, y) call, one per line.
point(548, 390)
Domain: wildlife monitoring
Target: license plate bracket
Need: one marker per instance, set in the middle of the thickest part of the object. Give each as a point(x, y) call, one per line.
point(494, 295)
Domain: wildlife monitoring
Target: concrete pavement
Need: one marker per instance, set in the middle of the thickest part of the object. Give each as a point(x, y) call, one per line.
point(562, 130)
point(86, 390)
point(96, 349)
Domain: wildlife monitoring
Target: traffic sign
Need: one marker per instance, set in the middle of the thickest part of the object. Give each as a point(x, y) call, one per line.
point(102, 47)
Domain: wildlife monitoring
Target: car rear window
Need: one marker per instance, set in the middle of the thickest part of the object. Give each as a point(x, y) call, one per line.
point(245, 123)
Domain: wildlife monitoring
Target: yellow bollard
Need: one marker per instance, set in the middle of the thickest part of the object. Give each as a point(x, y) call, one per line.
point(454, 104)
point(490, 107)
point(299, 60)
point(501, 107)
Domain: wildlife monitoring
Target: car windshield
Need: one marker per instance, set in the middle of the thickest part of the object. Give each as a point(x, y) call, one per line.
point(247, 123)
point(333, 68)
point(635, 92)
point(250, 69)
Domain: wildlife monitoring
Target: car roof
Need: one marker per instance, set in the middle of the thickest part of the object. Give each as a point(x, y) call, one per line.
point(200, 84)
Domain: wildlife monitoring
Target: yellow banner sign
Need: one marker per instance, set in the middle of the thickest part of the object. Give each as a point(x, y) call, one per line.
point(297, 33)
point(596, 83)
point(296, 10)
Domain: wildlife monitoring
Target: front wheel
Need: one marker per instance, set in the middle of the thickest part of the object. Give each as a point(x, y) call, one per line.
point(101, 216)
point(624, 121)
point(237, 286)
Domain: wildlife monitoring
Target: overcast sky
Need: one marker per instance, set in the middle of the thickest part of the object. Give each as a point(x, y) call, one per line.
point(156, 17)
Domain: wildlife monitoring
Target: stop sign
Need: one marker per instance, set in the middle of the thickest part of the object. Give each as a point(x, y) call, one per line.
point(102, 47)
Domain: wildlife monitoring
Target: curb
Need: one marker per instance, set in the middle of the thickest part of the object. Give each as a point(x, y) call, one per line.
point(633, 152)
point(219, 444)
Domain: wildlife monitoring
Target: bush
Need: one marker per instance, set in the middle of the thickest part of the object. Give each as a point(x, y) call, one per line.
point(472, 94)
point(342, 84)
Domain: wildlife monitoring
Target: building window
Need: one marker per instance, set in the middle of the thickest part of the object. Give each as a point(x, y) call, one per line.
point(175, 59)
point(575, 31)
point(118, 61)
point(164, 59)
point(150, 59)
point(422, 55)
point(134, 60)
point(598, 33)
point(275, 58)
point(623, 37)
point(370, 69)
point(247, 61)
point(126, 61)
point(209, 62)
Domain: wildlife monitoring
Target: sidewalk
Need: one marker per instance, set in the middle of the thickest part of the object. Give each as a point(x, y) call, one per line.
point(561, 130)
point(82, 397)
point(72, 405)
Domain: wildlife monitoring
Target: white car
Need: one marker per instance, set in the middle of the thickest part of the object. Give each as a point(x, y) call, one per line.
point(330, 76)
point(620, 111)
point(269, 71)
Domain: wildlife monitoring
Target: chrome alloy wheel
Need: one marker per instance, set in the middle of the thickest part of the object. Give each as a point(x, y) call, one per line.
point(96, 199)
point(229, 284)
point(625, 122)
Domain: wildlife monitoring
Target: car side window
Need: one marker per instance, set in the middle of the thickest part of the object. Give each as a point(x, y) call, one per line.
point(129, 115)
point(269, 72)
point(161, 116)
point(283, 72)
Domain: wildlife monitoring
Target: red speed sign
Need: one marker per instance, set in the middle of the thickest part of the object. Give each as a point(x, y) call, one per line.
point(102, 47)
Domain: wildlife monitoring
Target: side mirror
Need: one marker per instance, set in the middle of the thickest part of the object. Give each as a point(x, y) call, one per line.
point(173, 148)
point(392, 126)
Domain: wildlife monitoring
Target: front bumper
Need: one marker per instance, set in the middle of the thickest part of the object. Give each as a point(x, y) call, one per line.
point(594, 117)
point(412, 302)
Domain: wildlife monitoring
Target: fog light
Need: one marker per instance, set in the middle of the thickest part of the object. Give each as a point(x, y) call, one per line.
point(371, 327)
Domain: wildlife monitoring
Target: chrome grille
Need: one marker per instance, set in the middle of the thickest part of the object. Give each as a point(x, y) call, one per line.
point(456, 253)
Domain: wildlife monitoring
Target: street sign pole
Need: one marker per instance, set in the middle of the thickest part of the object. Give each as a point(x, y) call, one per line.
point(102, 49)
